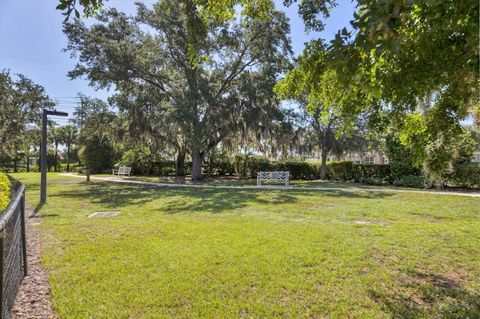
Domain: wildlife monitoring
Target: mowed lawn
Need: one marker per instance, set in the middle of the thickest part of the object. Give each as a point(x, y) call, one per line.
point(227, 253)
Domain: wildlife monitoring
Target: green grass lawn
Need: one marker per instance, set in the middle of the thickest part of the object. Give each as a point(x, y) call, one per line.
point(235, 181)
point(246, 182)
point(296, 183)
point(250, 253)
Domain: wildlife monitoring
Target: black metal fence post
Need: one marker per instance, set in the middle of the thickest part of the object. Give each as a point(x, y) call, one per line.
point(24, 238)
point(2, 235)
point(13, 252)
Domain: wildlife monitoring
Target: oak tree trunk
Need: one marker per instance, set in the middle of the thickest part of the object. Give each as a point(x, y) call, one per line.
point(180, 163)
point(323, 170)
point(197, 158)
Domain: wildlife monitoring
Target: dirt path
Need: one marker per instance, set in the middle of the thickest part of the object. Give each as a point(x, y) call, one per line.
point(33, 299)
point(343, 189)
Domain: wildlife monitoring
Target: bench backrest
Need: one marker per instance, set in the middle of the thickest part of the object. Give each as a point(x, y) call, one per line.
point(124, 170)
point(274, 176)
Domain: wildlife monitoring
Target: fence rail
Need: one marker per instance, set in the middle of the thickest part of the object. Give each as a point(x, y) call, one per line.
point(13, 249)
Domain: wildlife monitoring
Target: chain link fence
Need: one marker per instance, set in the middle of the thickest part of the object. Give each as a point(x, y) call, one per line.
point(13, 249)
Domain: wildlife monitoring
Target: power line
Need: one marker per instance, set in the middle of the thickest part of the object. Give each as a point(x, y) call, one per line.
point(66, 97)
point(32, 59)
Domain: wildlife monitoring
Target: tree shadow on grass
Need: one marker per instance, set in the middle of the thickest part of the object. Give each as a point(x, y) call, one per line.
point(213, 200)
point(354, 194)
point(434, 296)
point(118, 195)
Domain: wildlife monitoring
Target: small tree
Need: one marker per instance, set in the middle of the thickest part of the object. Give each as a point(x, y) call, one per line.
point(97, 155)
point(21, 102)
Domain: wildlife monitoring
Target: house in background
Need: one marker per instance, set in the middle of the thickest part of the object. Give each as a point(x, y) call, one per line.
point(370, 157)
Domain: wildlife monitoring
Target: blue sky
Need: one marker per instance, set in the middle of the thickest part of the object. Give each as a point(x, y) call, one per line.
point(31, 43)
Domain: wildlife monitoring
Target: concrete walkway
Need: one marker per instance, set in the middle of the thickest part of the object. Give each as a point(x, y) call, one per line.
point(343, 189)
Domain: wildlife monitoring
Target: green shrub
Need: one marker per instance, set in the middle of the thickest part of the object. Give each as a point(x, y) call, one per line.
point(297, 169)
point(372, 173)
point(466, 175)
point(63, 167)
point(250, 166)
point(5, 185)
point(373, 181)
point(139, 159)
point(224, 167)
point(97, 155)
point(410, 181)
point(401, 169)
point(165, 167)
point(341, 171)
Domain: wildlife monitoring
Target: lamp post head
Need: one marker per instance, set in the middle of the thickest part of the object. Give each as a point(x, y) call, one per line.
point(55, 112)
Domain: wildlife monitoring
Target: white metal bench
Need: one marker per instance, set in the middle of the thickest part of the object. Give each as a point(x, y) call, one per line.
point(122, 171)
point(273, 176)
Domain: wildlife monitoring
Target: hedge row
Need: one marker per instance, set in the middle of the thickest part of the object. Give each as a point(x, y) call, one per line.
point(467, 175)
point(340, 171)
point(36, 168)
point(5, 185)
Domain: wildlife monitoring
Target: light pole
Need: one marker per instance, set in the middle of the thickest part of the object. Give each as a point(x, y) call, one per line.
point(43, 153)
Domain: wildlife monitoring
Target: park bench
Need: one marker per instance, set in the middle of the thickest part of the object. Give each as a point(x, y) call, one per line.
point(273, 176)
point(122, 171)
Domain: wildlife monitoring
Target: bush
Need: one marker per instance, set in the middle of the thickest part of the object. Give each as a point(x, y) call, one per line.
point(97, 155)
point(372, 173)
point(297, 169)
point(250, 166)
point(139, 159)
point(224, 167)
point(341, 171)
point(218, 163)
point(466, 175)
point(410, 181)
point(63, 167)
point(402, 169)
point(5, 185)
point(166, 167)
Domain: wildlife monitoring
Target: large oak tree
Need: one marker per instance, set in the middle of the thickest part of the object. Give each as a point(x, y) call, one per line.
point(207, 73)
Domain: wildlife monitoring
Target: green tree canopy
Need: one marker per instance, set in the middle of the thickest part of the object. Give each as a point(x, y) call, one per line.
point(21, 104)
point(207, 74)
point(402, 57)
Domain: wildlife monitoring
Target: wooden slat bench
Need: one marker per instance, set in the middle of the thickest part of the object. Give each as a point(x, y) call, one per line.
point(122, 171)
point(273, 176)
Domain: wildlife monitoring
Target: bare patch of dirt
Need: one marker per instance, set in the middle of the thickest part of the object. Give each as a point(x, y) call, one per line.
point(362, 221)
point(33, 298)
point(450, 280)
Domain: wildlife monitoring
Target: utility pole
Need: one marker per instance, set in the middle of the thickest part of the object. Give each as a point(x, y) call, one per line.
point(43, 153)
